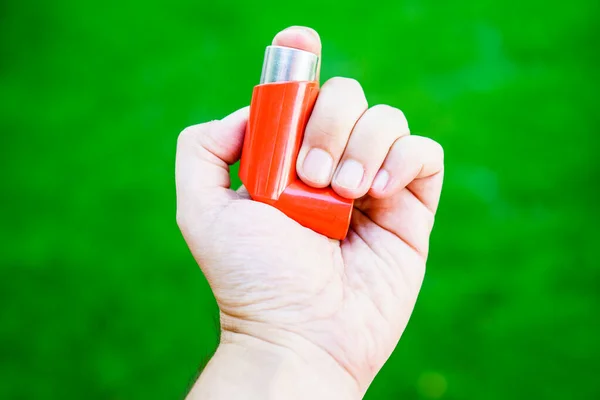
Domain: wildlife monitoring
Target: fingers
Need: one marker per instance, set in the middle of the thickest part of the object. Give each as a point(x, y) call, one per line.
point(367, 149)
point(406, 191)
point(344, 143)
point(339, 106)
point(204, 153)
point(414, 162)
point(403, 215)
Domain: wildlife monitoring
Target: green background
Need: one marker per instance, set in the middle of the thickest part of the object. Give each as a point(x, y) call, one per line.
point(99, 296)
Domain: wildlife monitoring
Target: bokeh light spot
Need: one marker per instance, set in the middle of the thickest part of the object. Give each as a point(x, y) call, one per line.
point(432, 385)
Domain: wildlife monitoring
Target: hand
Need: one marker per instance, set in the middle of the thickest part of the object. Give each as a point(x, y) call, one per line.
point(301, 312)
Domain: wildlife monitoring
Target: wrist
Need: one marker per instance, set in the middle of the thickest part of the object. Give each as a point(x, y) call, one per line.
point(247, 367)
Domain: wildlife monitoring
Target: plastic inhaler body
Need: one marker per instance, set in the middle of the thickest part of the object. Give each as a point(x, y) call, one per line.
point(279, 112)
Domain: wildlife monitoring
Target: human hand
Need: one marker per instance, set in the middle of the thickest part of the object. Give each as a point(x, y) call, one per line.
point(300, 312)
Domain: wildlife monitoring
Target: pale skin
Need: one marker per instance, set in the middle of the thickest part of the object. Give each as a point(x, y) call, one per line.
point(304, 316)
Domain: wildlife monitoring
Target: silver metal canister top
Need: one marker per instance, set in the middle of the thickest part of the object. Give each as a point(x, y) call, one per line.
point(284, 64)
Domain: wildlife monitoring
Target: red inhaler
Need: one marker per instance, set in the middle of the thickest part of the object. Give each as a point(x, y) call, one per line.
point(279, 111)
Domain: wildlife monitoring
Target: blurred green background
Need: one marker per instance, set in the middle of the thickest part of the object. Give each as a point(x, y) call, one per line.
point(100, 298)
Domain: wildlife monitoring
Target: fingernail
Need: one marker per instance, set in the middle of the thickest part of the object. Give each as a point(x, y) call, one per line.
point(317, 166)
point(350, 175)
point(381, 180)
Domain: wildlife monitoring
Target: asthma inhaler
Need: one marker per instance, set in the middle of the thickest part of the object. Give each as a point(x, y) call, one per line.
point(279, 111)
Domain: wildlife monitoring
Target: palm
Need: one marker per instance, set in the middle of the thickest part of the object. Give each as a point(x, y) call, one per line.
point(351, 298)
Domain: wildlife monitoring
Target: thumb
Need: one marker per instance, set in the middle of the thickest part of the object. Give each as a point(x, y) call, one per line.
point(204, 153)
point(303, 38)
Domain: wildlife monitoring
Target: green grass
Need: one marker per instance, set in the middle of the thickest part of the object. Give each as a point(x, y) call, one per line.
point(99, 296)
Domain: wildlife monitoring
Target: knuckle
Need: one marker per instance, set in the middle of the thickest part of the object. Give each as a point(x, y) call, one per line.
point(180, 220)
point(430, 143)
point(188, 132)
point(391, 113)
point(388, 110)
point(184, 135)
point(438, 148)
point(194, 132)
point(431, 149)
point(345, 84)
point(341, 103)
point(429, 219)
